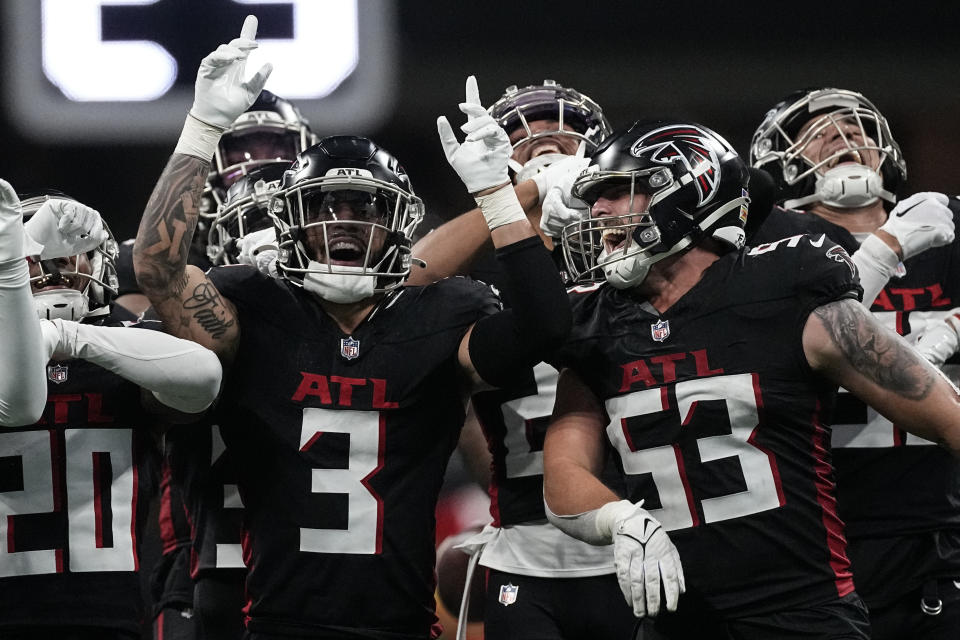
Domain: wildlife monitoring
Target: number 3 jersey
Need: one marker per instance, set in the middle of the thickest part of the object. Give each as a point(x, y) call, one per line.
point(74, 489)
point(720, 424)
point(341, 442)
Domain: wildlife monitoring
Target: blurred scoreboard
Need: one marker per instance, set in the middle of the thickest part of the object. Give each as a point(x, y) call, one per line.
point(123, 70)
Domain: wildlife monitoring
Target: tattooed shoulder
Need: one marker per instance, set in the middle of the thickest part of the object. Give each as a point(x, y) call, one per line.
point(874, 351)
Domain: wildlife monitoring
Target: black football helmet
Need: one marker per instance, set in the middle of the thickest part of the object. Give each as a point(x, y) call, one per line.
point(245, 211)
point(697, 188)
point(862, 169)
point(517, 108)
point(54, 290)
point(271, 131)
point(345, 211)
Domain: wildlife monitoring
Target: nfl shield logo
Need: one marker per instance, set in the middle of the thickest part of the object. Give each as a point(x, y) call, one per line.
point(57, 373)
point(660, 330)
point(349, 348)
point(508, 594)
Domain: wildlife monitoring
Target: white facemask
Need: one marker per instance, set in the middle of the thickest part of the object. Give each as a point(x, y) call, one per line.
point(345, 286)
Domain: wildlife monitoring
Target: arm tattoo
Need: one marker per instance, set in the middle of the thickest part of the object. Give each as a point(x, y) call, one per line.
point(875, 352)
point(166, 230)
point(208, 310)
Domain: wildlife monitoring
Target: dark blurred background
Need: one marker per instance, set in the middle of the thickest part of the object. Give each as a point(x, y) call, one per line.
point(720, 63)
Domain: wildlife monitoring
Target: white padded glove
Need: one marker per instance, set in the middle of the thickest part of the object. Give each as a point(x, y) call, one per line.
point(644, 557)
point(941, 340)
point(920, 222)
point(481, 161)
point(14, 241)
point(559, 207)
point(65, 228)
point(259, 249)
point(221, 94)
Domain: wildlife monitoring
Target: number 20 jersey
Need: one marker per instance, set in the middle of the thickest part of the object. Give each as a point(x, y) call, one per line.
point(341, 443)
point(74, 491)
point(720, 424)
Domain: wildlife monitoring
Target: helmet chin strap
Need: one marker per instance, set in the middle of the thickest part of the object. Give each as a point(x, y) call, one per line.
point(848, 186)
point(63, 304)
point(344, 286)
point(630, 271)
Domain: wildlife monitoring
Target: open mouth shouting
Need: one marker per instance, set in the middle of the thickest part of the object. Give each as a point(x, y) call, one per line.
point(614, 238)
point(851, 156)
point(49, 282)
point(346, 249)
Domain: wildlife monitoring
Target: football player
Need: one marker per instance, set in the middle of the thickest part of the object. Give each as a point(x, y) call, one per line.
point(531, 565)
point(550, 128)
point(263, 141)
point(77, 482)
point(710, 367)
point(344, 402)
point(834, 159)
point(201, 511)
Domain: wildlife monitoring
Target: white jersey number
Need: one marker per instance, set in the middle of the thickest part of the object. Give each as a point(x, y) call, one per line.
point(665, 463)
point(521, 460)
point(90, 504)
point(365, 515)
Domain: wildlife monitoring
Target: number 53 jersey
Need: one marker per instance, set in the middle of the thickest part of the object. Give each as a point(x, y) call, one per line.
point(720, 425)
point(341, 443)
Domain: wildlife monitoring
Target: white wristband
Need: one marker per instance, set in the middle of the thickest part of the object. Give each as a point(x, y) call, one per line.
point(501, 207)
point(876, 263)
point(198, 138)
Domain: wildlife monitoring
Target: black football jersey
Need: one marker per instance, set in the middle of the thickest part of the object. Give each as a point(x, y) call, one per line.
point(341, 443)
point(890, 483)
point(720, 424)
point(75, 489)
point(202, 472)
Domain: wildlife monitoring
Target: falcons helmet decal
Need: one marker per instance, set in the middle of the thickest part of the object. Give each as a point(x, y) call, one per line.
point(686, 144)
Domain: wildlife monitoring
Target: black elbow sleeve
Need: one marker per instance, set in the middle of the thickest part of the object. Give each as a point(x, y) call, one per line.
point(504, 345)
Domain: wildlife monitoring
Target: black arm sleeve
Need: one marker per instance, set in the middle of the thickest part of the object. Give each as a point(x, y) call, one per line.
point(504, 345)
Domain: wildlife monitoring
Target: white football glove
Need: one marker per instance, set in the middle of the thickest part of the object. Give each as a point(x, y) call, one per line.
point(481, 161)
point(559, 207)
point(941, 340)
point(15, 244)
point(644, 557)
point(65, 228)
point(259, 249)
point(220, 93)
point(920, 222)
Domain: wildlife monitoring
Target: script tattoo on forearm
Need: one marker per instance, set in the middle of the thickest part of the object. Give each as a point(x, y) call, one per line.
point(875, 353)
point(166, 230)
point(207, 308)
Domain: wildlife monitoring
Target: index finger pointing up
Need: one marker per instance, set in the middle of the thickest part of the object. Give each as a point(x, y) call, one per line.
point(249, 30)
point(473, 93)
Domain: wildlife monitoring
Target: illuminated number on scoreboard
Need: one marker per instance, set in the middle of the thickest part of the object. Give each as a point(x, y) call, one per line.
point(100, 500)
point(521, 460)
point(86, 68)
point(664, 463)
point(125, 68)
point(365, 508)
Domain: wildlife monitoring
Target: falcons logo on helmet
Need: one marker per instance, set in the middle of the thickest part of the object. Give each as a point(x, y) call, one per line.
point(693, 147)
